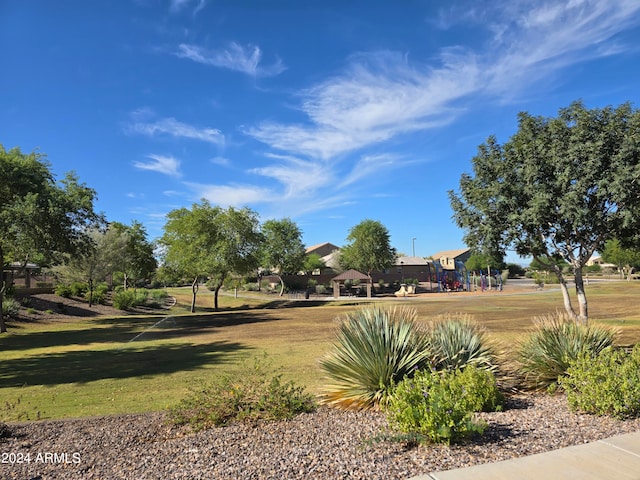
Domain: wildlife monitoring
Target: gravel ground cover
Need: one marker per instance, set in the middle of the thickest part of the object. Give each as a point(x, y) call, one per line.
point(326, 444)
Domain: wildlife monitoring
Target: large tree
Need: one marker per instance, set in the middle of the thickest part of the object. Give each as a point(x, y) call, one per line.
point(39, 216)
point(282, 250)
point(137, 261)
point(211, 242)
point(369, 248)
point(96, 263)
point(560, 186)
point(626, 258)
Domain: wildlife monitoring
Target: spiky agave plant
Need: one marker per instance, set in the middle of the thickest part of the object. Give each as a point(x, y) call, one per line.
point(557, 341)
point(457, 342)
point(375, 348)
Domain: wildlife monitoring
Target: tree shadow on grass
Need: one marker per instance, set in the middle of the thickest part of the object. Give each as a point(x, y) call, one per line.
point(122, 330)
point(131, 361)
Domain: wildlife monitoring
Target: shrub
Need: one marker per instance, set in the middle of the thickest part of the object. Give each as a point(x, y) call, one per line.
point(78, 289)
point(157, 296)
point(252, 393)
point(321, 289)
point(10, 307)
point(140, 298)
point(440, 406)
point(546, 354)
point(124, 300)
point(457, 342)
point(100, 293)
point(375, 348)
point(604, 384)
point(63, 290)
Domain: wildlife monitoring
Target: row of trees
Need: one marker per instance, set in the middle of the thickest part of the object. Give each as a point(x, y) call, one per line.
point(211, 242)
point(54, 224)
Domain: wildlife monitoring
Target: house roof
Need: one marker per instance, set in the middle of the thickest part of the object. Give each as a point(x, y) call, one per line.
point(319, 246)
point(450, 253)
point(412, 261)
point(351, 275)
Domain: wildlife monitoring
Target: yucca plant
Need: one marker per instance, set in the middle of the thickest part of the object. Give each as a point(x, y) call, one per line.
point(375, 348)
point(457, 342)
point(557, 341)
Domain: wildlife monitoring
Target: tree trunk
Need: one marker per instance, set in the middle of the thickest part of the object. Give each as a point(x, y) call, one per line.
point(582, 297)
point(215, 296)
point(281, 285)
point(3, 326)
point(194, 292)
point(565, 294)
point(90, 292)
point(216, 290)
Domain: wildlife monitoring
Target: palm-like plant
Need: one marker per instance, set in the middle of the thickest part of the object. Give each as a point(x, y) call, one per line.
point(375, 348)
point(555, 343)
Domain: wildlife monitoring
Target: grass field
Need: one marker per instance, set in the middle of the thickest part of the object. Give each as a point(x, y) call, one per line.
point(58, 369)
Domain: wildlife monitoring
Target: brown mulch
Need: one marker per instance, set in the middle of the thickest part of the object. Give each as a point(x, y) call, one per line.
point(326, 444)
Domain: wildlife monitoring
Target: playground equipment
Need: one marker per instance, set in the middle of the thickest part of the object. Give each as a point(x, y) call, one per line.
point(456, 280)
point(406, 289)
point(487, 279)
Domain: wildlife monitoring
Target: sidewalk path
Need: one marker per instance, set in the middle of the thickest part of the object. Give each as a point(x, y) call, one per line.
point(616, 458)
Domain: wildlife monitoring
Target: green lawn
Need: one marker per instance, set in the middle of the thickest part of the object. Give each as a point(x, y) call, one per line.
point(103, 366)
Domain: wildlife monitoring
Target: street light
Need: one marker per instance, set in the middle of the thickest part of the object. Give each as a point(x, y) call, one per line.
point(413, 245)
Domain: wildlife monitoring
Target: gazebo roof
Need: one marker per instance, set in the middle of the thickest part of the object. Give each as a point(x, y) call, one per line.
point(351, 275)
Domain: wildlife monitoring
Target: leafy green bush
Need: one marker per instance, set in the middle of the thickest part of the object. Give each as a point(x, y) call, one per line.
point(252, 393)
point(157, 297)
point(128, 299)
point(100, 293)
point(605, 384)
point(457, 342)
point(10, 307)
point(78, 289)
point(440, 406)
point(375, 348)
point(124, 300)
point(141, 297)
point(63, 290)
point(546, 354)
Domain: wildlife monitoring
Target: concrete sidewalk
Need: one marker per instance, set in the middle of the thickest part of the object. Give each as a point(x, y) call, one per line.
point(616, 458)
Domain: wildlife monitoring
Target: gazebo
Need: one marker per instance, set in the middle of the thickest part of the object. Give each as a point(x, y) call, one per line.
point(350, 275)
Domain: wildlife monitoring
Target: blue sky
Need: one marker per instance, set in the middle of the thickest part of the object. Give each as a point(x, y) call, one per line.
point(327, 112)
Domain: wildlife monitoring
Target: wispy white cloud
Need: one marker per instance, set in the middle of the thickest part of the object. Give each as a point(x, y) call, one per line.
point(172, 127)
point(232, 195)
point(162, 164)
point(541, 39)
point(222, 161)
point(383, 95)
point(234, 57)
point(298, 178)
point(180, 5)
point(369, 165)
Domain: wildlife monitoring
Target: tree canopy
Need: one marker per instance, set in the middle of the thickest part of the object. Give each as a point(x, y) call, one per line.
point(137, 259)
point(210, 242)
point(627, 259)
point(560, 186)
point(41, 218)
point(282, 249)
point(369, 248)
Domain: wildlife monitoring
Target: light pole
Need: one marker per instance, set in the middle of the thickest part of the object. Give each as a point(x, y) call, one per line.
point(413, 245)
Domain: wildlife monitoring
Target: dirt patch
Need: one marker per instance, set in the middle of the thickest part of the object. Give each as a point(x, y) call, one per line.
point(49, 306)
